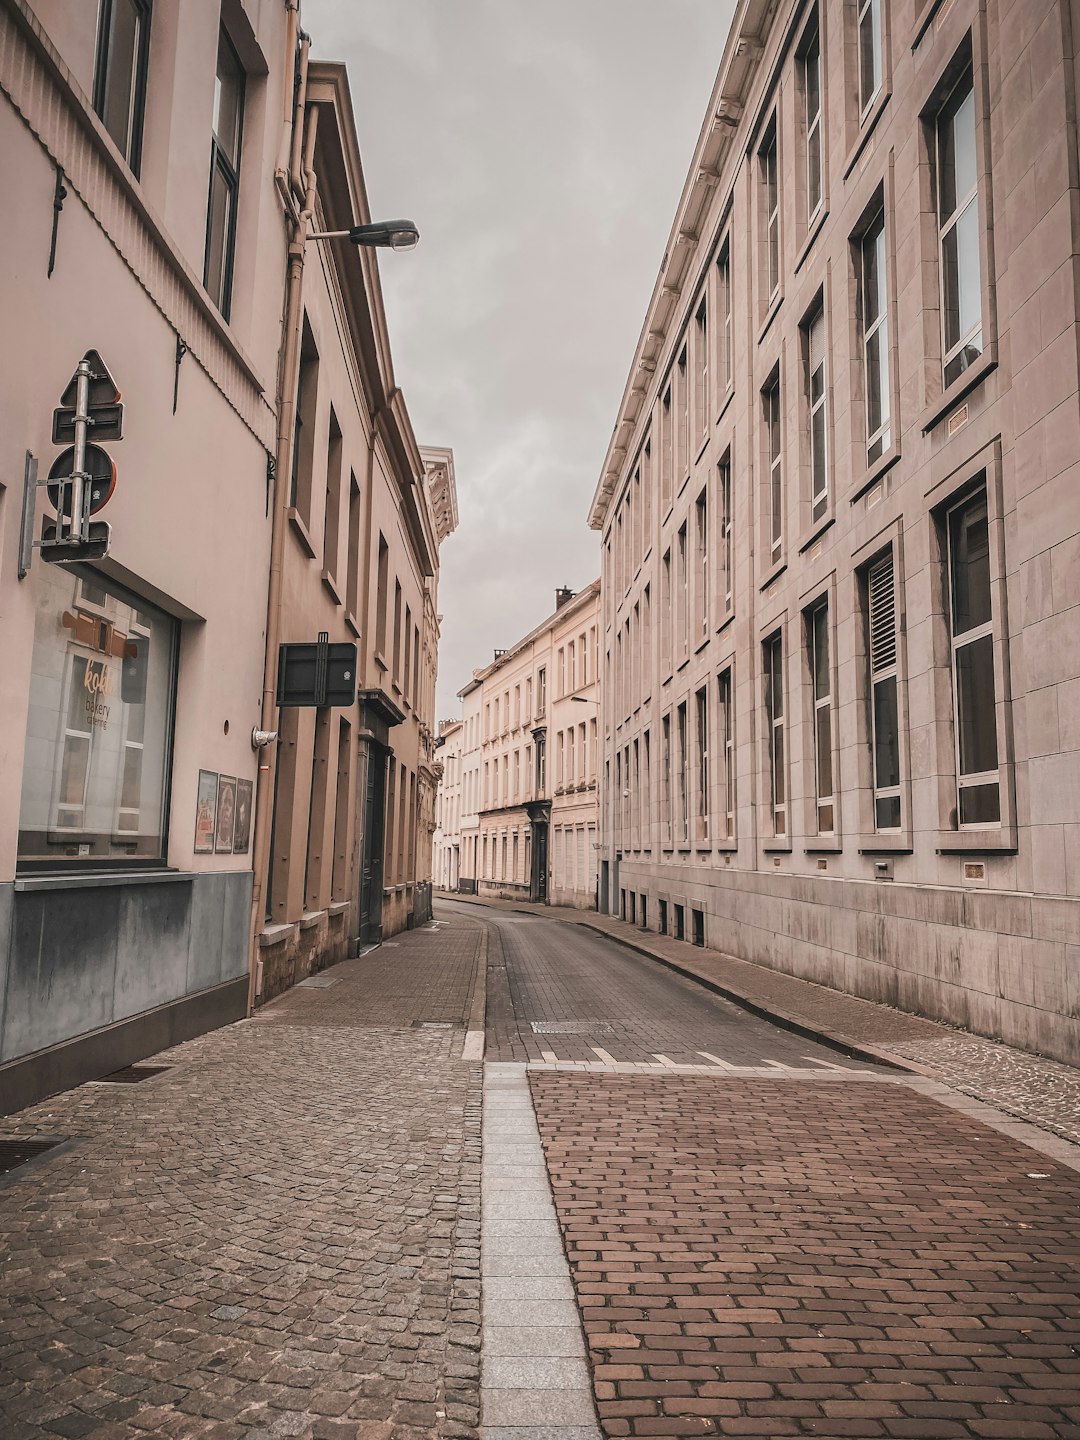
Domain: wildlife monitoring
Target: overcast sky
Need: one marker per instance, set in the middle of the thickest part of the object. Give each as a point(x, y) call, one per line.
point(541, 147)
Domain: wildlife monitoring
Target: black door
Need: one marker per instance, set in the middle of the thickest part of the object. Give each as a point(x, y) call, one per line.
point(372, 856)
point(540, 861)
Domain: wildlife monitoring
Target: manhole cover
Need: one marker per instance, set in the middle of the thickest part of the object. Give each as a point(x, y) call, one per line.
point(132, 1074)
point(435, 1024)
point(572, 1027)
point(318, 982)
point(14, 1153)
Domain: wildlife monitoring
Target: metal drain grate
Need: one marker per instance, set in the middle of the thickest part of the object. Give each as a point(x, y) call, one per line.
point(14, 1153)
point(132, 1074)
point(435, 1024)
point(572, 1027)
point(318, 982)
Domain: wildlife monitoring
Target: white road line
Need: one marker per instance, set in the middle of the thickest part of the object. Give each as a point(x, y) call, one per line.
point(775, 1065)
point(724, 1064)
point(550, 1057)
point(669, 1064)
point(603, 1055)
point(827, 1064)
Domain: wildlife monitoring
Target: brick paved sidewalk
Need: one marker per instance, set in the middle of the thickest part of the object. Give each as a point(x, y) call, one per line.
point(832, 1258)
point(1039, 1090)
point(276, 1237)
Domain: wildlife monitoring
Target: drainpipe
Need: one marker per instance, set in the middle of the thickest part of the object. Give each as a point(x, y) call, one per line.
point(288, 375)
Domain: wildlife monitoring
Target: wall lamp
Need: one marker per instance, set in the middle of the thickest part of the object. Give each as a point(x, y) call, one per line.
point(385, 234)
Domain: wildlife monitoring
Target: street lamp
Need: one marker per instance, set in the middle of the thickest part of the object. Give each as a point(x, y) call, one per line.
point(384, 234)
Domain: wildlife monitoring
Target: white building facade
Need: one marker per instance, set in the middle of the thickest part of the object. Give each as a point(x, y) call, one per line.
point(840, 515)
point(446, 849)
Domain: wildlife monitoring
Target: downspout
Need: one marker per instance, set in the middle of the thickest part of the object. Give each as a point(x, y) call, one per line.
point(294, 91)
point(288, 377)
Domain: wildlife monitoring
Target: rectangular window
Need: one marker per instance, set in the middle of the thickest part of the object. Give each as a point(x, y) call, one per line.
point(682, 775)
point(869, 45)
point(99, 728)
point(957, 186)
point(815, 394)
point(646, 792)
point(352, 577)
point(397, 635)
point(811, 88)
point(123, 52)
point(874, 327)
point(332, 510)
point(683, 391)
point(303, 456)
point(820, 676)
point(725, 373)
point(224, 176)
point(701, 565)
point(726, 536)
point(702, 399)
point(884, 698)
point(665, 614)
point(773, 661)
point(665, 778)
point(382, 593)
point(646, 497)
point(701, 719)
point(767, 160)
point(726, 738)
point(407, 669)
point(682, 581)
point(974, 693)
point(541, 692)
point(770, 407)
point(667, 453)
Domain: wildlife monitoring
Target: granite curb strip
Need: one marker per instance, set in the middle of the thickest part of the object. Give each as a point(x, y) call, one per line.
point(535, 1381)
point(473, 1048)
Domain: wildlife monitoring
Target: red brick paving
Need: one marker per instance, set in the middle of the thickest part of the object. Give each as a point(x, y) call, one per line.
point(836, 1258)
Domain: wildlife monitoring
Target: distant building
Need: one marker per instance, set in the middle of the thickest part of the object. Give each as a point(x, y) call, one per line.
point(841, 520)
point(446, 864)
point(529, 830)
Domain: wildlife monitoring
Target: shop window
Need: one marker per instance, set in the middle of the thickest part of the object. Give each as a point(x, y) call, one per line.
point(100, 724)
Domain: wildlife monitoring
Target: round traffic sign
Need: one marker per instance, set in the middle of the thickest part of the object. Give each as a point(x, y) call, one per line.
point(99, 465)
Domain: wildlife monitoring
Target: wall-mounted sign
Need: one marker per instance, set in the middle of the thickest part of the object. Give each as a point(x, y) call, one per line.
point(319, 674)
point(226, 814)
point(206, 813)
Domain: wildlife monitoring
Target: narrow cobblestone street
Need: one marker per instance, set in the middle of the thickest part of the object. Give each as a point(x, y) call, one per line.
point(677, 1219)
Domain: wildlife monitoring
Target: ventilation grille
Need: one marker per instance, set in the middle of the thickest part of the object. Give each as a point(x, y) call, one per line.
point(133, 1074)
point(14, 1153)
point(882, 614)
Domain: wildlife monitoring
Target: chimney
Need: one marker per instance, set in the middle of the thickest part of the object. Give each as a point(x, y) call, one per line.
point(562, 596)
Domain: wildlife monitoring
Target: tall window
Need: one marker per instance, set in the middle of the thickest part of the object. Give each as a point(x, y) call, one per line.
point(958, 224)
point(773, 660)
point(541, 765)
point(771, 211)
point(869, 27)
point(726, 537)
point(224, 176)
point(123, 51)
point(770, 404)
point(682, 580)
point(816, 412)
point(701, 728)
point(541, 692)
point(701, 565)
point(382, 593)
point(884, 700)
point(818, 638)
point(683, 393)
point(352, 577)
point(682, 777)
point(665, 613)
point(646, 797)
point(332, 511)
point(811, 87)
point(725, 376)
point(303, 456)
point(701, 368)
point(667, 454)
point(665, 777)
point(874, 325)
point(974, 698)
point(726, 738)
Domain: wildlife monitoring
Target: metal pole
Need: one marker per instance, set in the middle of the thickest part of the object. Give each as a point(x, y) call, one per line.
point(77, 525)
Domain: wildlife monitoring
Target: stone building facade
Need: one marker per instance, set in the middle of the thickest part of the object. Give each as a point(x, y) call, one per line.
point(446, 862)
point(841, 520)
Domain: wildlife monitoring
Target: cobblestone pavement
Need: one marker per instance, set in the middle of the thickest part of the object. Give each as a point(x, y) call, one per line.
point(276, 1237)
point(556, 994)
point(1041, 1091)
point(833, 1257)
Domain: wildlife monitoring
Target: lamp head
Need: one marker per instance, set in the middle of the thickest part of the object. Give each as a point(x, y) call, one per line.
point(386, 234)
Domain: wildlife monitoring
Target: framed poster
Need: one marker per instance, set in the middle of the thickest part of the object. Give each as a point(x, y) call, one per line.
point(206, 813)
point(242, 829)
point(226, 814)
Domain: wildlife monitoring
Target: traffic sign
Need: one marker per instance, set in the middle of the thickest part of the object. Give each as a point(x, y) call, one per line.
point(63, 550)
point(104, 412)
point(320, 674)
point(100, 467)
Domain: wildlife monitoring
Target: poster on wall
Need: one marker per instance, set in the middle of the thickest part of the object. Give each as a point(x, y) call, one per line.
point(226, 814)
point(206, 813)
point(242, 832)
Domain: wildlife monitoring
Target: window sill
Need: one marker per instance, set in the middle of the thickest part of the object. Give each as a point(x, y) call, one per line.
point(866, 130)
point(350, 621)
point(973, 376)
point(701, 645)
point(309, 920)
point(899, 844)
point(728, 397)
point(727, 847)
point(978, 842)
point(331, 585)
point(338, 907)
point(875, 472)
point(703, 445)
point(770, 315)
point(812, 234)
point(271, 935)
point(300, 530)
point(778, 845)
point(725, 622)
point(816, 533)
point(925, 20)
point(824, 846)
point(101, 879)
point(682, 664)
point(380, 661)
point(773, 575)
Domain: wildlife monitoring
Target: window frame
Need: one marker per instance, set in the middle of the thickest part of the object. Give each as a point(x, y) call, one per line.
point(775, 759)
point(103, 57)
point(768, 155)
point(819, 499)
point(221, 163)
point(727, 808)
point(823, 807)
